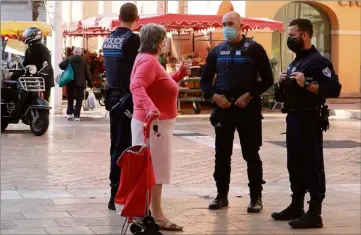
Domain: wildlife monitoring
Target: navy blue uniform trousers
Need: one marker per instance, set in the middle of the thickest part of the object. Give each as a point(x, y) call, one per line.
point(120, 138)
point(248, 123)
point(305, 154)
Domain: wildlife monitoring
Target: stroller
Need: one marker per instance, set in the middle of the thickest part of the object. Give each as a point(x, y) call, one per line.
point(136, 182)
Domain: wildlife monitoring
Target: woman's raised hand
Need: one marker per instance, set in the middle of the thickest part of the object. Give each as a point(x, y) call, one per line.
point(185, 68)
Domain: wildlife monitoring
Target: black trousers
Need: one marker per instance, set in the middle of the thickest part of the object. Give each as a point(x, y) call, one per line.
point(248, 123)
point(305, 155)
point(120, 137)
point(78, 93)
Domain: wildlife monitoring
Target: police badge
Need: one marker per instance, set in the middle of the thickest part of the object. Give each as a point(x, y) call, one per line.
point(327, 72)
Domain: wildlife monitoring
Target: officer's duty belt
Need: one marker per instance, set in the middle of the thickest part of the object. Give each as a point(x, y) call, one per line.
point(301, 110)
point(116, 91)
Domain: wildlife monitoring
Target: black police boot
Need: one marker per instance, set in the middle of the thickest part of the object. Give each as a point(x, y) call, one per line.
point(255, 205)
point(312, 219)
point(218, 203)
point(293, 211)
point(113, 192)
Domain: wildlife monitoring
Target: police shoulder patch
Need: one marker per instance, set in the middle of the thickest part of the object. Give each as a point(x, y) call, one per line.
point(327, 72)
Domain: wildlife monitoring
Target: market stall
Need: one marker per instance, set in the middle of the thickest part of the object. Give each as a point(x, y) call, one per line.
point(195, 26)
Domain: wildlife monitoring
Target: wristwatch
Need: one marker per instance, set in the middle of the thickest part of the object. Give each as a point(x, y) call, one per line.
point(308, 82)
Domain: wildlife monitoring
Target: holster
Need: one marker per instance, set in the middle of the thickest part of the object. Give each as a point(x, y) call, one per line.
point(324, 118)
point(123, 110)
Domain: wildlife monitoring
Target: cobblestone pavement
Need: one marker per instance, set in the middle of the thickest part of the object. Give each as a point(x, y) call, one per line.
point(58, 183)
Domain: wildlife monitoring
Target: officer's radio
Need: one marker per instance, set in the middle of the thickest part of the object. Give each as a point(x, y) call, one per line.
point(246, 44)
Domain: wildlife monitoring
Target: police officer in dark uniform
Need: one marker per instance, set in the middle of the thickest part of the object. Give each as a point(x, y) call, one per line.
point(303, 88)
point(236, 93)
point(120, 49)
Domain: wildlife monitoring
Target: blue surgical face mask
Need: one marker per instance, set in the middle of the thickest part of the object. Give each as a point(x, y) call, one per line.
point(229, 33)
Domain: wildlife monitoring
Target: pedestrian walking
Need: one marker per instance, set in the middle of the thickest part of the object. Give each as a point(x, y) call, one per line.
point(75, 88)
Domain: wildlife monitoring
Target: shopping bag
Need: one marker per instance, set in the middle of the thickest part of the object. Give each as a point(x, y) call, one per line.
point(91, 101)
point(67, 76)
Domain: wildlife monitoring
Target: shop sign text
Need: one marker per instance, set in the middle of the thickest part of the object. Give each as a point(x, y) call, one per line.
point(349, 3)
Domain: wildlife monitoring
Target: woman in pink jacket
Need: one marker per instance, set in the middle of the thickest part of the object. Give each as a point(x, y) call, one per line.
point(154, 90)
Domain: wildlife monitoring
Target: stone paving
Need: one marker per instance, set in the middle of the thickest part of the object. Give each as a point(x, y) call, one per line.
point(58, 183)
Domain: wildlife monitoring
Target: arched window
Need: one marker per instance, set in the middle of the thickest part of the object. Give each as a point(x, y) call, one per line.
point(321, 31)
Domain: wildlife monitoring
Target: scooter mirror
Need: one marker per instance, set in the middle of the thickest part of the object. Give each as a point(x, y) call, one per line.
point(18, 59)
point(45, 63)
point(4, 64)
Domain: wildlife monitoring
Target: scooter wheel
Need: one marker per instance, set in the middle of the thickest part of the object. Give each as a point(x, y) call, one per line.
point(135, 228)
point(101, 101)
point(40, 126)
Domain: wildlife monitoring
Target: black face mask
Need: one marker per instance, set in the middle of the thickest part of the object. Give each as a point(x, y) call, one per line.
point(295, 44)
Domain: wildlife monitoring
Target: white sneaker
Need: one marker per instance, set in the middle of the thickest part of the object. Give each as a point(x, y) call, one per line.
point(69, 117)
point(77, 119)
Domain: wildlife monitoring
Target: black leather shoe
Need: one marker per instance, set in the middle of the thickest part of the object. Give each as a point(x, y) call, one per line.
point(293, 211)
point(289, 213)
point(307, 221)
point(255, 206)
point(218, 203)
point(113, 193)
point(111, 205)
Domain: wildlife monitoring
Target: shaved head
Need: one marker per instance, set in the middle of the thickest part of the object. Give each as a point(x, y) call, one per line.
point(232, 26)
point(232, 17)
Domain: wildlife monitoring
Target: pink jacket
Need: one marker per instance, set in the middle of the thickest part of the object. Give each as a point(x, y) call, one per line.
point(153, 89)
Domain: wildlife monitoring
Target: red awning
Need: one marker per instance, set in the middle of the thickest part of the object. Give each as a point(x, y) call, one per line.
point(200, 22)
point(71, 27)
point(104, 24)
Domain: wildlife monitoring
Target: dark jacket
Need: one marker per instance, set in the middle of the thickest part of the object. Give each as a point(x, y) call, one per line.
point(36, 54)
point(81, 70)
point(316, 68)
point(237, 68)
point(120, 49)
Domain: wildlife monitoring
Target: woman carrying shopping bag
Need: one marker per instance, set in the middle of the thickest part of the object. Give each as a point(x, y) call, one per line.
point(76, 87)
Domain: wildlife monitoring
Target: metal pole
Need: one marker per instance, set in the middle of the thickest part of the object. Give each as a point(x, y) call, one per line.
point(193, 42)
point(210, 39)
point(179, 50)
point(57, 34)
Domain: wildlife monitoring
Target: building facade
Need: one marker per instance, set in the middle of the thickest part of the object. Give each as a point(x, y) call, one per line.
point(336, 26)
point(337, 34)
point(20, 11)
